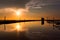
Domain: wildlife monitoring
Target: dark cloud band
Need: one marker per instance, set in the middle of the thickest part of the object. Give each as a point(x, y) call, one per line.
point(13, 3)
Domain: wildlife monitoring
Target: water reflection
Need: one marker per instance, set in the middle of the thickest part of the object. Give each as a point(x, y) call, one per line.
point(12, 27)
point(18, 26)
point(29, 31)
point(9, 27)
point(56, 27)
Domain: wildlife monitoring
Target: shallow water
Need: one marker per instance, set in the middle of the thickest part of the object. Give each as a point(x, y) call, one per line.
point(29, 31)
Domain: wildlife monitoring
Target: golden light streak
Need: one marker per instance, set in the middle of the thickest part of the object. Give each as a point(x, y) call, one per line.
point(18, 27)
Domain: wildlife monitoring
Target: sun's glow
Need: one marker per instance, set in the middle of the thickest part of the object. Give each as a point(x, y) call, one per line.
point(18, 12)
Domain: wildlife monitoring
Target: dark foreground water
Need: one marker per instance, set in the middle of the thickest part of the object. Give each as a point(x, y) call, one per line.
point(29, 31)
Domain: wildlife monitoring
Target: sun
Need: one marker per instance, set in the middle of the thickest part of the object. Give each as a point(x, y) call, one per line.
point(18, 12)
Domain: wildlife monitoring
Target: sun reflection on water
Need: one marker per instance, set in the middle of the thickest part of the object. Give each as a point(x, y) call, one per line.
point(18, 27)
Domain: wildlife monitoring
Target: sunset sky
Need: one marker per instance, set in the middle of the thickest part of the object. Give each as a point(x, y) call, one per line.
point(29, 9)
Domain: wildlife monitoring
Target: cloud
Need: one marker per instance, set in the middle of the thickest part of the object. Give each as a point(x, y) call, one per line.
point(41, 3)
